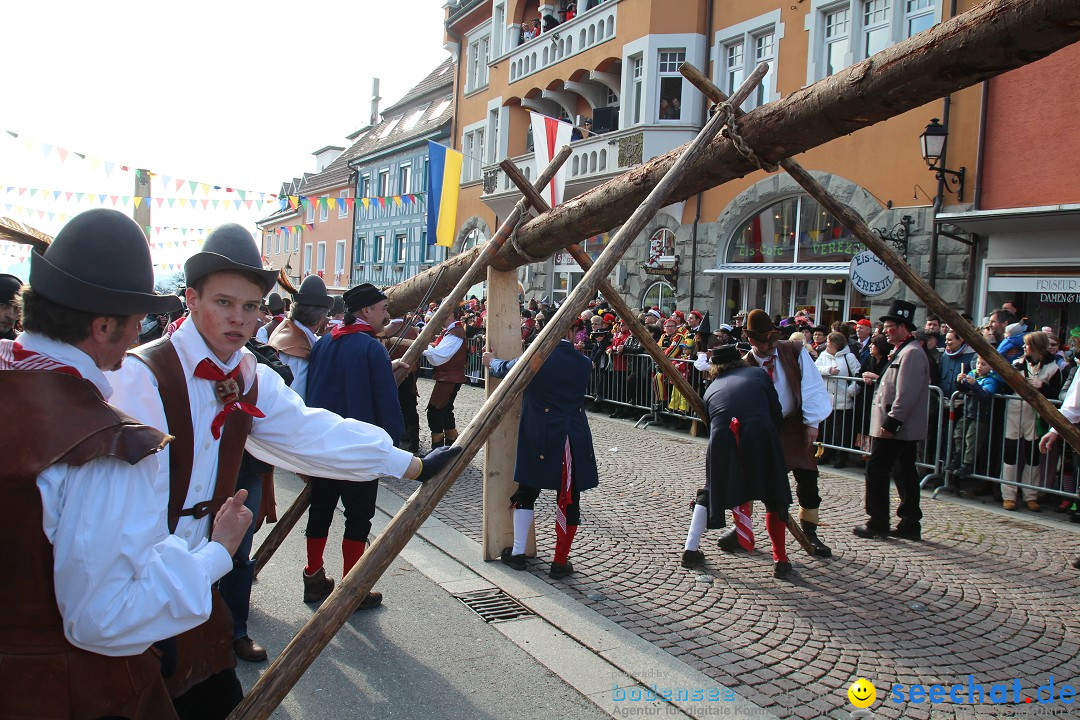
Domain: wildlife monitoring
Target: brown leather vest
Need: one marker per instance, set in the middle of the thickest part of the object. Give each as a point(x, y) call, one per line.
point(42, 675)
point(289, 339)
point(453, 370)
point(206, 649)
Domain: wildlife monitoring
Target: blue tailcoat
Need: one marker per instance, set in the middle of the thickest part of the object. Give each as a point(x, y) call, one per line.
point(351, 376)
point(552, 409)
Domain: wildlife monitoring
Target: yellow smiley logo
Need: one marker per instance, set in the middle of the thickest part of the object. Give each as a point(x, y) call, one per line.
point(862, 693)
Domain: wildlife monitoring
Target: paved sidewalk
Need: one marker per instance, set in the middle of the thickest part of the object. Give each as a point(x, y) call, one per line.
point(986, 593)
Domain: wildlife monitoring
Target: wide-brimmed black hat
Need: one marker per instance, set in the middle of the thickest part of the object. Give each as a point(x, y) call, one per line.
point(901, 311)
point(275, 303)
point(339, 305)
point(9, 287)
point(313, 292)
point(723, 354)
point(228, 247)
point(362, 296)
point(100, 263)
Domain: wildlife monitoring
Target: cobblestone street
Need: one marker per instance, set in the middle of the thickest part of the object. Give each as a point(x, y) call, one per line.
point(984, 594)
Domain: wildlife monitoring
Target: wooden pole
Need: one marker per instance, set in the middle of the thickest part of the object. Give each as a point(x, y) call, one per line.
point(287, 668)
point(477, 268)
point(934, 302)
point(988, 40)
point(667, 367)
point(282, 528)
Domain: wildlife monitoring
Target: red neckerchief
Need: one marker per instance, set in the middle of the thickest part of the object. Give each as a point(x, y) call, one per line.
point(445, 332)
point(896, 350)
point(357, 326)
point(228, 393)
point(13, 356)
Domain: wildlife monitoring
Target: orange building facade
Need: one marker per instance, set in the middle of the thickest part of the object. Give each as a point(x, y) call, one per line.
point(755, 242)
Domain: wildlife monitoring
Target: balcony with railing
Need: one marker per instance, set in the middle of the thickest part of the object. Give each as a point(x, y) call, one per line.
point(587, 30)
point(593, 160)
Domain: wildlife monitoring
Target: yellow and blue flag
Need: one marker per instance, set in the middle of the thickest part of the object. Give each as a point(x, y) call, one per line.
point(444, 182)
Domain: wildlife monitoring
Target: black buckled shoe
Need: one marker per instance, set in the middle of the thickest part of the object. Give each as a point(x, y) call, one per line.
point(907, 532)
point(820, 548)
point(692, 558)
point(868, 532)
point(511, 560)
point(560, 570)
point(729, 540)
point(782, 569)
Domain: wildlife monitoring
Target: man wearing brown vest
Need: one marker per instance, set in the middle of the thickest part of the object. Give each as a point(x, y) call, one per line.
point(447, 354)
point(212, 395)
point(804, 401)
point(92, 576)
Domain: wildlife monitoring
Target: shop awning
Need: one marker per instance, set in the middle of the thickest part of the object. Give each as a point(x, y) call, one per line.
point(1046, 217)
point(778, 270)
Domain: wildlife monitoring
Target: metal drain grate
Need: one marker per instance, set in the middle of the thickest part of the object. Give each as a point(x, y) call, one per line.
point(494, 605)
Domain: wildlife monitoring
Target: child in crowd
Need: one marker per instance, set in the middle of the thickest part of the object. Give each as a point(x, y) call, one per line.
point(979, 384)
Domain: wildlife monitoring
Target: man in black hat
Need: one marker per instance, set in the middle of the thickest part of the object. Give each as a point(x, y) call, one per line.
point(350, 374)
point(337, 313)
point(207, 388)
point(295, 337)
point(92, 575)
point(276, 306)
point(744, 461)
point(898, 421)
point(805, 403)
point(10, 305)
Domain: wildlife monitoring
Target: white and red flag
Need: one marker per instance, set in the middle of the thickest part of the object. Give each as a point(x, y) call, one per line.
point(549, 135)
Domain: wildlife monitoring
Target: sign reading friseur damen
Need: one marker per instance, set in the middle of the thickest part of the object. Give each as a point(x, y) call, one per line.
point(870, 275)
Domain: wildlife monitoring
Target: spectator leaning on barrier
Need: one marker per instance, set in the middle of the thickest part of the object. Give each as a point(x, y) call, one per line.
point(1040, 371)
point(1012, 347)
point(979, 385)
point(836, 362)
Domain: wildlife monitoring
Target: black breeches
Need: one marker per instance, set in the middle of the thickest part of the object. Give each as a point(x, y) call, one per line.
point(525, 499)
point(442, 419)
point(358, 499)
point(806, 488)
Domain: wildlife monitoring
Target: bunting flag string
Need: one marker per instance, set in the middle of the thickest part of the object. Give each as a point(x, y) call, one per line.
point(136, 200)
point(11, 208)
point(331, 202)
point(96, 163)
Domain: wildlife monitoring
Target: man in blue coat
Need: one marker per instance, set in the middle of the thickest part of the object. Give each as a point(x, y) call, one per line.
point(555, 449)
point(350, 373)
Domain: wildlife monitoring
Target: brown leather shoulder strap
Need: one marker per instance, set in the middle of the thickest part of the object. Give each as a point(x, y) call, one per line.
point(160, 356)
point(789, 358)
point(231, 449)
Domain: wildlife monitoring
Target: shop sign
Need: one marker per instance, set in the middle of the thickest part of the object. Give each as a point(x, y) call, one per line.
point(669, 272)
point(1059, 298)
point(870, 275)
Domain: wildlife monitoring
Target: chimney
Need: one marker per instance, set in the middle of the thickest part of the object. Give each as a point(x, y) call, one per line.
point(374, 102)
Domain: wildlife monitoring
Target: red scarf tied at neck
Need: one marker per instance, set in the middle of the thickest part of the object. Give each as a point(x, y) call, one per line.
point(227, 390)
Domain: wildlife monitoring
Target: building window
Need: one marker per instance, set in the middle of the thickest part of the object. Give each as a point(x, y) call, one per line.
point(384, 183)
point(671, 83)
point(661, 295)
point(795, 230)
point(401, 248)
point(612, 98)
point(405, 179)
point(918, 16)
point(324, 209)
point(638, 80)
point(734, 70)
point(764, 52)
point(472, 147)
point(309, 217)
point(361, 249)
point(339, 258)
point(307, 260)
point(296, 239)
point(377, 248)
point(852, 30)
point(424, 179)
point(875, 26)
point(477, 71)
point(320, 267)
point(425, 249)
point(342, 204)
point(363, 186)
point(837, 28)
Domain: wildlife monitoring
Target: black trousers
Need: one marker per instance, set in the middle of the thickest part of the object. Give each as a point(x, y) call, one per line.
point(442, 419)
point(358, 499)
point(525, 499)
point(407, 401)
point(806, 488)
point(212, 699)
point(896, 458)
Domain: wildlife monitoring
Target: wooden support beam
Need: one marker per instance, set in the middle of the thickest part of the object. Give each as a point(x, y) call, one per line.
point(298, 655)
point(988, 40)
point(282, 528)
point(934, 302)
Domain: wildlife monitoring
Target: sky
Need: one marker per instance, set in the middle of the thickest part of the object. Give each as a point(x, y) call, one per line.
point(232, 93)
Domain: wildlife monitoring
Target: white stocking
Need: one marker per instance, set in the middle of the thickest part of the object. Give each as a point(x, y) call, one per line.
point(522, 522)
point(697, 527)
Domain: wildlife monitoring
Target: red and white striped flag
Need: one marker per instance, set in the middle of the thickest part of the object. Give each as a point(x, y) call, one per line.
point(549, 135)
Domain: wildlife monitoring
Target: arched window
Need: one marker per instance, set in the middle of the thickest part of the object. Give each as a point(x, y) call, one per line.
point(661, 245)
point(474, 238)
point(661, 295)
point(794, 230)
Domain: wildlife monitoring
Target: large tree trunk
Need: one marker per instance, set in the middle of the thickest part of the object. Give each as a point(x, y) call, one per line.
point(993, 38)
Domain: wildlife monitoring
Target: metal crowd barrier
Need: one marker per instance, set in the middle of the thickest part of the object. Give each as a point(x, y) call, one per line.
point(474, 368)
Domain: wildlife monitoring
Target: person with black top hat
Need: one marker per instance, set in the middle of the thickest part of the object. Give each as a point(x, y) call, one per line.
point(898, 421)
point(350, 374)
point(296, 336)
point(276, 306)
point(208, 390)
point(805, 403)
point(92, 575)
point(10, 305)
point(744, 460)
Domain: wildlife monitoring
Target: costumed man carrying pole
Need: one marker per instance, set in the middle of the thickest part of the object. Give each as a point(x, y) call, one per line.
point(296, 336)
point(447, 354)
point(350, 374)
point(92, 576)
point(744, 461)
point(804, 401)
point(207, 388)
point(555, 449)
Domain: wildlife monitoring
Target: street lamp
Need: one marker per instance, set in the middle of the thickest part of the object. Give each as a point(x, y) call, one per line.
point(933, 149)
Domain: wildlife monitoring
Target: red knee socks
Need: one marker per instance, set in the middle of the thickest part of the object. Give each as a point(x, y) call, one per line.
point(351, 550)
point(777, 536)
point(563, 540)
point(315, 548)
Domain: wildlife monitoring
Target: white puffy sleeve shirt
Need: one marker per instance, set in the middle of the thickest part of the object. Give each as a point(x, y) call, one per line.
point(122, 581)
point(291, 436)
